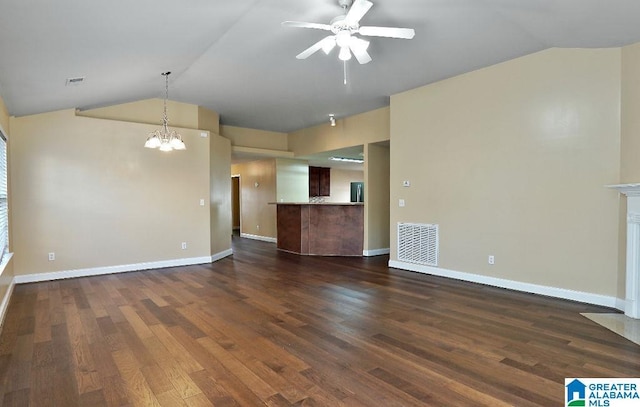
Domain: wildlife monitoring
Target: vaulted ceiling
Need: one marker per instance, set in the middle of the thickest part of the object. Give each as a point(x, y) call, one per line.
point(235, 57)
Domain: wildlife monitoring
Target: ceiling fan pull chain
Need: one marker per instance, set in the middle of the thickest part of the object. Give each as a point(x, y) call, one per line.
point(345, 72)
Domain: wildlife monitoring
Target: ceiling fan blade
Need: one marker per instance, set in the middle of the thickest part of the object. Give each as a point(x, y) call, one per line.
point(358, 9)
point(404, 33)
point(328, 44)
point(361, 53)
point(325, 42)
point(300, 24)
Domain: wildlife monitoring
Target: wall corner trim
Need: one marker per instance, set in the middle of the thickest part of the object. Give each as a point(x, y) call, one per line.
point(221, 255)
point(96, 271)
point(376, 252)
point(562, 293)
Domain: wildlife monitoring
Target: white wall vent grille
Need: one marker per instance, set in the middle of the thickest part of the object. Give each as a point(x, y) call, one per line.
point(74, 81)
point(418, 243)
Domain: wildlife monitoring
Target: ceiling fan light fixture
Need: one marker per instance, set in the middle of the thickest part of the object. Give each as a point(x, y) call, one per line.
point(345, 54)
point(344, 27)
point(343, 38)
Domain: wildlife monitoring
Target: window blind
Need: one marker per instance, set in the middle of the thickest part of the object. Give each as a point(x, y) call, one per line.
point(4, 206)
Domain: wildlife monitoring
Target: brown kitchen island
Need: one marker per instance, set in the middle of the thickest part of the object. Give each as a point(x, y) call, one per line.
point(321, 229)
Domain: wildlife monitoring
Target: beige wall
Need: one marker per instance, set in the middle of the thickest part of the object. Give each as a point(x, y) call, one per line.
point(149, 111)
point(629, 145)
point(341, 184)
point(369, 127)
point(244, 137)
point(376, 197)
point(292, 180)
point(511, 161)
point(87, 190)
point(630, 117)
point(357, 130)
point(257, 189)
point(208, 120)
point(220, 193)
point(193, 117)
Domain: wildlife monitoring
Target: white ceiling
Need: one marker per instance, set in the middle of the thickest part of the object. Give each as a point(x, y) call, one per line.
point(234, 56)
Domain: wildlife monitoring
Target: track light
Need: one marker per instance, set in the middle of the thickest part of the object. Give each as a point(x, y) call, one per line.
point(332, 120)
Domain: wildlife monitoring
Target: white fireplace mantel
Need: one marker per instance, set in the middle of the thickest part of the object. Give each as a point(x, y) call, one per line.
point(632, 300)
point(627, 189)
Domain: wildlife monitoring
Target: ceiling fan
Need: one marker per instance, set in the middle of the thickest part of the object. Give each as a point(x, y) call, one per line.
point(344, 28)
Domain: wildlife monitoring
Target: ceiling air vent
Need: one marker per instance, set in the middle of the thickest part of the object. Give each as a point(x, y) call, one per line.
point(74, 81)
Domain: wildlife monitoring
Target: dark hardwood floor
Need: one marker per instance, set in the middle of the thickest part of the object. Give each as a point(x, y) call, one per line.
point(270, 328)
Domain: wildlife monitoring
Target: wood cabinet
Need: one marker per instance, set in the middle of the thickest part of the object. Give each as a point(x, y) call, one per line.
point(319, 181)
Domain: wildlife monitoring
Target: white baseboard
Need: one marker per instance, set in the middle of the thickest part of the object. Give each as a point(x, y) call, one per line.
point(96, 271)
point(376, 252)
point(555, 292)
point(4, 305)
point(257, 237)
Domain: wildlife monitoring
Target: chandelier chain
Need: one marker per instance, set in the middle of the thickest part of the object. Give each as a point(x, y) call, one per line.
point(164, 139)
point(166, 96)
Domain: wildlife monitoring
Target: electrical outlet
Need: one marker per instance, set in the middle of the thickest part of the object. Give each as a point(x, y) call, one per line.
point(202, 202)
point(258, 227)
point(492, 260)
point(52, 256)
point(184, 245)
point(401, 203)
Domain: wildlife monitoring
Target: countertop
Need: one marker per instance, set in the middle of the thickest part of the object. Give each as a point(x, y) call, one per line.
point(318, 203)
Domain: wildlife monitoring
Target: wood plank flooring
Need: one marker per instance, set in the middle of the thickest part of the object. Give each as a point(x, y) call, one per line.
point(271, 328)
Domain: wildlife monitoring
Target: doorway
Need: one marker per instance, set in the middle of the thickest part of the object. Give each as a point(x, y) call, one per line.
point(235, 204)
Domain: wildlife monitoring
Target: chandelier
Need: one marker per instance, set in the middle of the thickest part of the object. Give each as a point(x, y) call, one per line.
point(163, 138)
